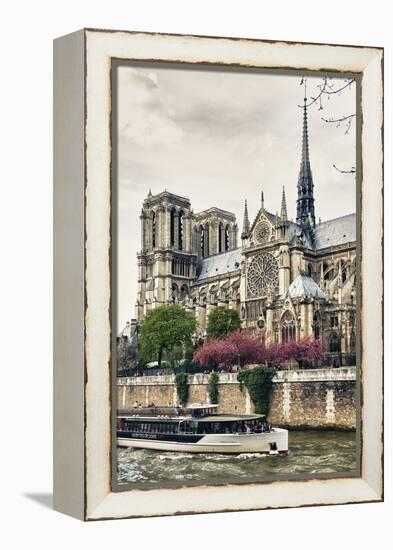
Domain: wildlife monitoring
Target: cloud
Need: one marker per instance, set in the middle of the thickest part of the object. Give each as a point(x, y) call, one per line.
point(145, 117)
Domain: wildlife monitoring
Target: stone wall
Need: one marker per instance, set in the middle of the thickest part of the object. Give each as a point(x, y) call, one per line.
point(320, 398)
point(315, 398)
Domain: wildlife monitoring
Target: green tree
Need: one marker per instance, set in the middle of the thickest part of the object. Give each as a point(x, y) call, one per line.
point(221, 322)
point(165, 328)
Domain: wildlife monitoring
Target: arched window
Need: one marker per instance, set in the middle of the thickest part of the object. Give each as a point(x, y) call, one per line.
point(317, 325)
point(181, 230)
point(206, 240)
point(220, 237)
point(343, 266)
point(309, 269)
point(202, 232)
point(183, 292)
point(175, 293)
point(153, 230)
point(226, 238)
point(288, 327)
point(172, 231)
point(353, 342)
point(334, 343)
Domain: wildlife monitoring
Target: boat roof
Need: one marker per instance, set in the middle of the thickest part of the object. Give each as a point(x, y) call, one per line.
point(210, 418)
point(200, 406)
point(230, 417)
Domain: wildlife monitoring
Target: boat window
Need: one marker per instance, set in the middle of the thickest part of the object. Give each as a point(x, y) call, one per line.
point(273, 446)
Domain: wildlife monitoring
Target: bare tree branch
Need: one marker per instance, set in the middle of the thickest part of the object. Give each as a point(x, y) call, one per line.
point(347, 119)
point(325, 89)
point(350, 171)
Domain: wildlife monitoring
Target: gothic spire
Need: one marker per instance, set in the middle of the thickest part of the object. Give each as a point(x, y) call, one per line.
point(284, 213)
point(246, 221)
point(262, 200)
point(305, 185)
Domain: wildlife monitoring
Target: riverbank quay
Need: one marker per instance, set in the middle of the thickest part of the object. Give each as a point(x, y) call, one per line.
point(299, 399)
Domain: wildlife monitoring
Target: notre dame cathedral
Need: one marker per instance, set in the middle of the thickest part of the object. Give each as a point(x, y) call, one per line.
point(288, 279)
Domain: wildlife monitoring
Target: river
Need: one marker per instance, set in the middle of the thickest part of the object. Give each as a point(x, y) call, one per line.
point(310, 452)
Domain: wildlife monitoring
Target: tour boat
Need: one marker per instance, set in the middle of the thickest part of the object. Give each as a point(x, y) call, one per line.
point(199, 429)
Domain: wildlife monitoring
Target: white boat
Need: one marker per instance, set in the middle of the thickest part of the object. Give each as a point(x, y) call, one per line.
point(199, 429)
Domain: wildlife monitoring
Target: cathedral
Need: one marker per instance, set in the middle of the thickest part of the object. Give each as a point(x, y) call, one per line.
point(288, 279)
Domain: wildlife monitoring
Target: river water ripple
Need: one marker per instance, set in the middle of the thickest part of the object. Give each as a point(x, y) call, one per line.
point(310, 452)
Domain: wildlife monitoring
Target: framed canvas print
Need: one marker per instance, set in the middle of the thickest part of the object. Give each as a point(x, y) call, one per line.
point(218, 274)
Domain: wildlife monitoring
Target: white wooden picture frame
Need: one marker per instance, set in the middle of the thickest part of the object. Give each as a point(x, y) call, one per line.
point(82, 252)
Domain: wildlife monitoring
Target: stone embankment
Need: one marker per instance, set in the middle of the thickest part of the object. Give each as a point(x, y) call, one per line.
point(319, 398)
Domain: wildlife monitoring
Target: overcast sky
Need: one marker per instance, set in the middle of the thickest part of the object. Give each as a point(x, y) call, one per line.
point(218, 138)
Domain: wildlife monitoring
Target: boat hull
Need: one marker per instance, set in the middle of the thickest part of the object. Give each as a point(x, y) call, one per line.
point(274, 442)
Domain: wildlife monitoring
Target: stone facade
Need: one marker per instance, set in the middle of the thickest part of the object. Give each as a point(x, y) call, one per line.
point(320, 398)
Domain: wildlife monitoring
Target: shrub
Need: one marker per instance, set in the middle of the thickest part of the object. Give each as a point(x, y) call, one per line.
point(213, 388)
point(258, 382)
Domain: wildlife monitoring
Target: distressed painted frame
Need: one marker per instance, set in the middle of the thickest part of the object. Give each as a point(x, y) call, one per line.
point(82, 334)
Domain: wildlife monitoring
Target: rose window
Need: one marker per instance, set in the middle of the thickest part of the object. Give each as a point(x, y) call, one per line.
point(262, 232)
point(262, 274)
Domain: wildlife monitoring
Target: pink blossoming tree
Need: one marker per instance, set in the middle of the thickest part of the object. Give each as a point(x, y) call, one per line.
point(243, 348)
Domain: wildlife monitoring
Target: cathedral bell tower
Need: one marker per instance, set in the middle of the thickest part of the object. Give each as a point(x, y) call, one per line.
point(166, 262)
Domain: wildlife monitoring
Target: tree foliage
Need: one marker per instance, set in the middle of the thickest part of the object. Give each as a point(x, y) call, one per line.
point(213, 387)
point(238, 348)
point(241, 348)
point(258, 382)
point(221, 322)
point(182, 389)
point(306, 351)
point(165, 328)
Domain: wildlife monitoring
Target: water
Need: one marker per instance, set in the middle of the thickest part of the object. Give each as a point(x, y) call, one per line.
point(310, 452)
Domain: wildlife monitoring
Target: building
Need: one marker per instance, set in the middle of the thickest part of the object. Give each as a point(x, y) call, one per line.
point(289, 279)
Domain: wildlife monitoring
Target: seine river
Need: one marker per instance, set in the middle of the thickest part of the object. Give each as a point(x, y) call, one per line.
point(310, 452)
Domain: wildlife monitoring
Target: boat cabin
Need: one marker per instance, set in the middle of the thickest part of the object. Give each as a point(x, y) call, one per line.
point(194, 419)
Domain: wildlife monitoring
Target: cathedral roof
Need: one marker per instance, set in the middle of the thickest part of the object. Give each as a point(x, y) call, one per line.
point(304, 285)
point(336, 232)
point(220, 264)
point(215, 211)
point(295, 230)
